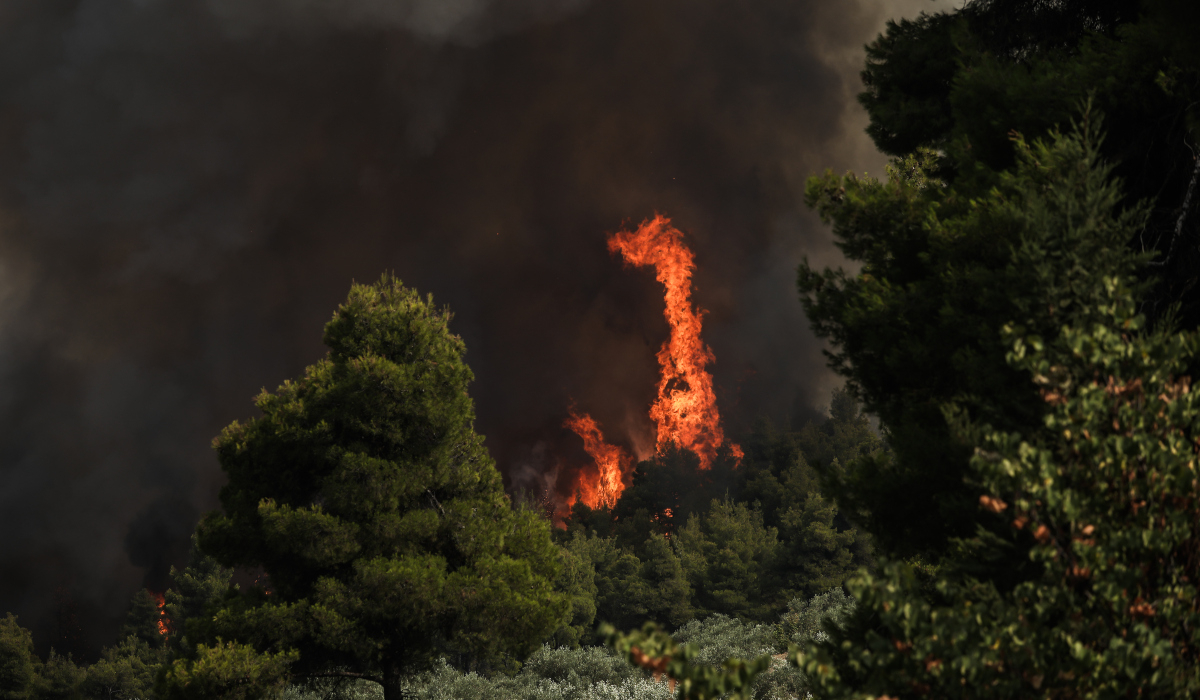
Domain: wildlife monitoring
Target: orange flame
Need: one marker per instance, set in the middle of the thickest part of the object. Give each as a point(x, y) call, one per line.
point(612, 461)
point(162, 613)
point(685, 411)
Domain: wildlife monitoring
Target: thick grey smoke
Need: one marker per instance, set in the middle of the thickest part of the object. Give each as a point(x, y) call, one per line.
point(187, 188)
point(461, 21)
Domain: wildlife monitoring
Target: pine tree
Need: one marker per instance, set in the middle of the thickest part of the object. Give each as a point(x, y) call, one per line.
point(18, 663)
point(145, 620)
point(377, 515)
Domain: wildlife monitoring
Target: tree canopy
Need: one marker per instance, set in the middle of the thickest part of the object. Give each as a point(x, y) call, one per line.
point(377, 517)
point(1023, 323)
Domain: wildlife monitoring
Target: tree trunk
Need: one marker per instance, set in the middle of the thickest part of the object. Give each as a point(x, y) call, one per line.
point(393, 688)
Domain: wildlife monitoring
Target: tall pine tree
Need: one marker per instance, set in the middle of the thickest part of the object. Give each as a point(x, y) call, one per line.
point(380, 522)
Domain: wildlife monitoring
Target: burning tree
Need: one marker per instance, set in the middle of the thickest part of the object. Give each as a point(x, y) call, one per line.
point(685, 412)
point(380, 521)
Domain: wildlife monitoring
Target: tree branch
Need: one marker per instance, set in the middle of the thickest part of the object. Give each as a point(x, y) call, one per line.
point(1187, 204)
point(341, 674)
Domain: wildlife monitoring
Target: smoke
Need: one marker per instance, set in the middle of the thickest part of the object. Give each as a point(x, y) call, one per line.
point(187, 188)
point(467, 22)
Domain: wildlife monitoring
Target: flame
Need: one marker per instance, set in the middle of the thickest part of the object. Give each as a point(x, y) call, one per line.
point(612, 461)
point(162, 613)
point(685, 411)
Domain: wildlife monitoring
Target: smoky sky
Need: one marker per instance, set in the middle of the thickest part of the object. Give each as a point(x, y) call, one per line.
point(188, 188)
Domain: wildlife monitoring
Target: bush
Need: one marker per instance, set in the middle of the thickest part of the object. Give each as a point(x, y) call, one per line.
point(720, 638)
point(589, 673)
point(598, 673)
point(805, 619)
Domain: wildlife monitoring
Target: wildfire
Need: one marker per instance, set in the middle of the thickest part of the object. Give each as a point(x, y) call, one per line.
point(162, 613)
point(612, 462)
point(685, 411)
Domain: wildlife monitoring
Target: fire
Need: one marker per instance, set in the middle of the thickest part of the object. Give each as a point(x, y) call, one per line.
point(685, 412)
point(612, 462)
point(162, 613)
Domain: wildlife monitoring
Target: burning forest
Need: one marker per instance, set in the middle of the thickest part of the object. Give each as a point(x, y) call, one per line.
point(684, 412)
point(326, 375)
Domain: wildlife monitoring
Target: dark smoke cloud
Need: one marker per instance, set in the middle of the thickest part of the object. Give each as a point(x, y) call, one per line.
point(187, 187)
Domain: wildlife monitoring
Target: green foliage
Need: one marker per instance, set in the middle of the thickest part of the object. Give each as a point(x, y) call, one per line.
point(1099, 497)
point(373, 507)
point(18, 664)
point(807, 620)
point(578, 668)
point(720, 637)
point(577, 579)
point(194, 593)
point(727, 556)
point(847, 436)
point(662, 556)
point(665, 491)
point(914, 333)
point(589, 673)
point(127, 670)
point(629, 589)
point(908, 77)
point(655, 650)
point(143, 619)
point(1024, 66)
point(58, 679)
point(226, 670)
point(599, 673)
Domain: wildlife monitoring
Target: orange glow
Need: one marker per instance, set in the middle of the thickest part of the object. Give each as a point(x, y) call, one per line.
point(685, 411)
point(162, 613)
point(612, 462)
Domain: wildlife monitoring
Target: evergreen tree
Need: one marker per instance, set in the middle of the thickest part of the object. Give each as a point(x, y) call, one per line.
point(58, 679)
point(126, 670)
point(194, 593)
point(370, 503)
point(577, 580)
point(18, 663)
point(729, 555)
point(144, 620)
point(1099, 499)
point(631, 590)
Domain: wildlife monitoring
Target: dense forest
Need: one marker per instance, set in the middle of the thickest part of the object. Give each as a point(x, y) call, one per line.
point(420, 560)
point(1022, 322)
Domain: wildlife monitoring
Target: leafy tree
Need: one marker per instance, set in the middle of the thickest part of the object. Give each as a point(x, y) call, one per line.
point(631, 590)
point(378, 517)
point(962, 82)
point(728, 555)
point(719, 637)
point(813, 554)
point(18, 663)
point(1100, 498)
point(666, 490)
point(807, 620)
point(127, 670)
point(194, 593)
point(232, 671)
point(655, 650)
point(908, 76)
point(844, 438)
point(670, 596)
point(577, 580)
point(143, 619)
point(58, 679)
